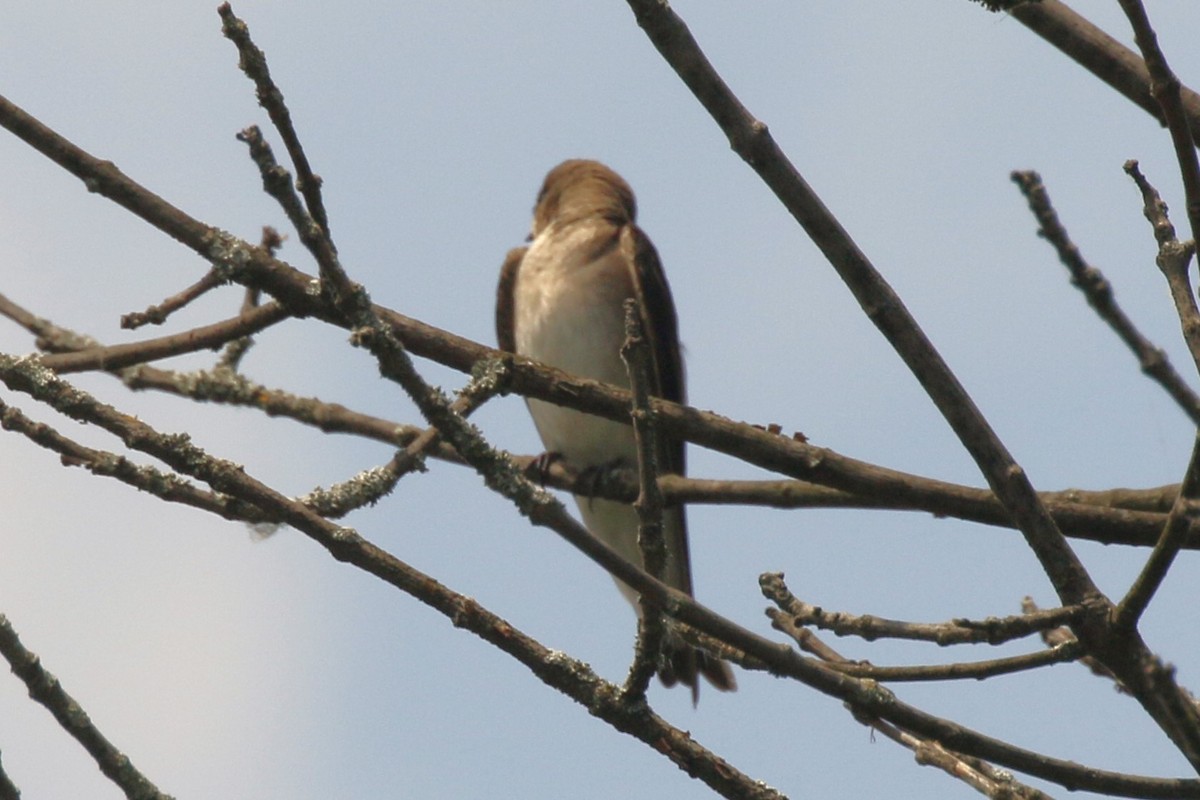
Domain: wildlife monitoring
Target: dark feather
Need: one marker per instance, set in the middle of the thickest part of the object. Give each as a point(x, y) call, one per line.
point(505, 337)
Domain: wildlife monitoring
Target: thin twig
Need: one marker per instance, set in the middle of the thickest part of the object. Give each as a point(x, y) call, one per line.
point(1055, 638)
point(207, 337)
point(1099, 294)
point(332, 503)
point(50, 337)
point(649, 505)
point(1167, 92)
point(993, 630)
point(163, 485)
point(233, 352)
point(368, 488)
point(1185, 512)
point(254, 64)
point(230, 388)
point(965, 670)
point(1173, 259)
point(1148, 679)
point(46, 690)
point(347, 296)
point(157, 315)
point(976, 773)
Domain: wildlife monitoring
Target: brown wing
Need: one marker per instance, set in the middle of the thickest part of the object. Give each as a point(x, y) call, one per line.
point(661, 328)
point(505, 335)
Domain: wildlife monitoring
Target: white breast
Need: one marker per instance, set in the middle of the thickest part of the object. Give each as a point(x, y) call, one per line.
point(568, 314)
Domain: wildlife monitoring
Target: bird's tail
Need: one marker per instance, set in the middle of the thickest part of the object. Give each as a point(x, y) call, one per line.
point(684, 664)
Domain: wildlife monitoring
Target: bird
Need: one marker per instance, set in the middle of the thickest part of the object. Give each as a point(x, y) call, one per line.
point(560, 301)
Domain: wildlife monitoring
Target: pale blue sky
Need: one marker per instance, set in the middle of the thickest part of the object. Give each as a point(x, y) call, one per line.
point(227, 667)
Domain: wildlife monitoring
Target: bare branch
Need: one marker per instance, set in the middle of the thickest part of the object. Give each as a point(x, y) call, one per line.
point(482, 387)
point(965, 670)
point(1063, 637)
point(976, 773)
point(388, 335)
point(993, 630)
point(166, 486)
point(226, 387)
point(1124, 652)
point(1173, 259)
point(208, 337)
point(256, 266)
point(869, 710)
point(1185, 512)
point(157, 315)
point(649, 506)
point(254, 64)
point(235, 351)
point(348, 297)
point(1099, 53)
point(1099, 294)
point(1167, 91)
point(346, 545)
point(46, 690)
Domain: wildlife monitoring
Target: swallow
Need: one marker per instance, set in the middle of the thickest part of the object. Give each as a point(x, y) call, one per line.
point(560, 301)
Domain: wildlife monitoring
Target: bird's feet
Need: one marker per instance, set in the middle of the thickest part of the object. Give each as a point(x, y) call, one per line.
point(594, 479)
point(539, 468)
